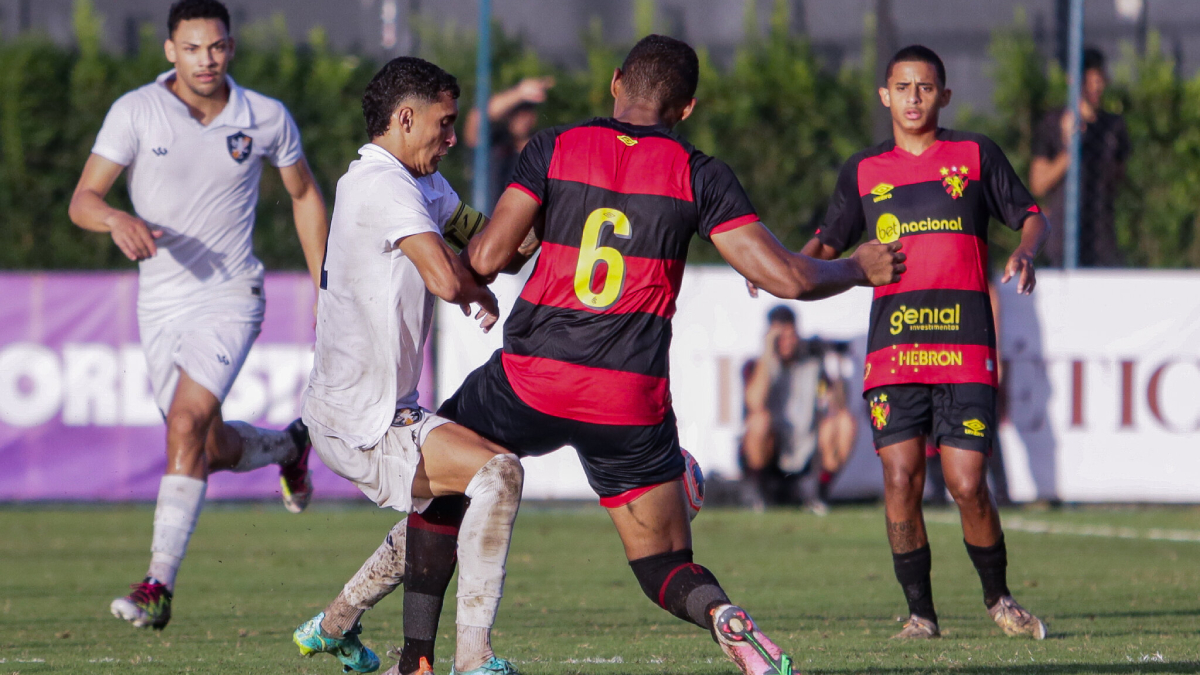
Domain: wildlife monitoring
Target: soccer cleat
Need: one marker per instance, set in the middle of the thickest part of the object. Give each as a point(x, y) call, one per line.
point(1016, 620)
point(295, 480)
point(917, 628)
point(746, 646)
point(348, 649)
point(494, 666)
point(148, 606)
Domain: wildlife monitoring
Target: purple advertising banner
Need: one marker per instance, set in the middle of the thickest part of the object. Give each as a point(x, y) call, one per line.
point(77, 415)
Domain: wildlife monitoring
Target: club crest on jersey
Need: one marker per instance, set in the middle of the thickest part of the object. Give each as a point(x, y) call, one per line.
point(406, 417)
point(239, 146)
point(627, 140)
point(954, 179)
point(881, 410)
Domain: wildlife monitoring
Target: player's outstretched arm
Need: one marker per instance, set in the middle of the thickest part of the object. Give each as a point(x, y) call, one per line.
point(754, 252)
point(89, 210)
point(506, 236)
point(308, 210)
point(446, 277)
point(1034, 233)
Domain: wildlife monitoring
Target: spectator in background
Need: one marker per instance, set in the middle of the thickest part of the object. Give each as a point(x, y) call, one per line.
point(797, 422)
point(513, 116)
point(1105, 150)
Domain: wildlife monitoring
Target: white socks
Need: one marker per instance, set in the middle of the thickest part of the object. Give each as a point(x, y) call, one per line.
point(261, 447)
point(483, 541)
point(374, 581)
point(180, 499)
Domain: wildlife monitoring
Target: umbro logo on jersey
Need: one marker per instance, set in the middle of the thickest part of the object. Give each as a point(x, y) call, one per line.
point(239, 146)
point(882, 191)
point(627, 140)
point(161, 152)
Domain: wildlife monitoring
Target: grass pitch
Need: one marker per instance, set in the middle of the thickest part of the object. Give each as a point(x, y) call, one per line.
point(1120, 589)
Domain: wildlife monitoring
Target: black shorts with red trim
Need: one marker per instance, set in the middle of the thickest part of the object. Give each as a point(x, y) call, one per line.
point(621, 462)
point(956, 415)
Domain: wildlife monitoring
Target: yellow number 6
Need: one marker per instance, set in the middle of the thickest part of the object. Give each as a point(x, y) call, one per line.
point(591, 255)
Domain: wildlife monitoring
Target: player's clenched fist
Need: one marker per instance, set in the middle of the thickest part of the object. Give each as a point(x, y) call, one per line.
point(882, 264)
point(133, 236)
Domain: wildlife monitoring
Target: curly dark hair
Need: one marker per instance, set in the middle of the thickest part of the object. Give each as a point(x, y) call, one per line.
point(661, 70)
point(196, 9)
point(403, 78)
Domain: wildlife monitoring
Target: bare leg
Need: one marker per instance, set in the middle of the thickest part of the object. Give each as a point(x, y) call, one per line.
point(966, 478)
point(903, 484)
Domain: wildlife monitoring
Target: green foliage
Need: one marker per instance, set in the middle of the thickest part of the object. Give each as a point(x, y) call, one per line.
point(782, 120)
point(1157, 214)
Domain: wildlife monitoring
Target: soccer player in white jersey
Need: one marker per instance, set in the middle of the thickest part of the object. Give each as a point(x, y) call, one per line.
point(385, 263)
point(193, 143)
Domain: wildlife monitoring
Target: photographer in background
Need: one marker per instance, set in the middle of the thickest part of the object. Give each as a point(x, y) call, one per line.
point(797, 425)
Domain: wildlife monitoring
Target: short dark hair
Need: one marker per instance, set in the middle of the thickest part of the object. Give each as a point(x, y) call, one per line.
point(403, 77)
point(1093, 59)
point(920, 54)
point(781, 314)
point(661, 70)
point(196, 9)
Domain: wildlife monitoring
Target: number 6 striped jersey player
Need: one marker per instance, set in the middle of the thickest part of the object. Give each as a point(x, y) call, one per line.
point(585, 351)
point(931, 368)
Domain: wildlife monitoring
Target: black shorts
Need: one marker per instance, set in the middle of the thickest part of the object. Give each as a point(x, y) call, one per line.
point(957, 415)
point(621, 462)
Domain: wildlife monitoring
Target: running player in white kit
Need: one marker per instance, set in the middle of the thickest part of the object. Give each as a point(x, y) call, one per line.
point(385, 263)
point(193, 143)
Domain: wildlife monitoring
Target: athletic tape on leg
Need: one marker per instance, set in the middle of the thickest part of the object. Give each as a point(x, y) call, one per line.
point(483, 539)
point(180, 499)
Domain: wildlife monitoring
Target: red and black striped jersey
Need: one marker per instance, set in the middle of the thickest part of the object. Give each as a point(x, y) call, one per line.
point(588, 338)
point(935, 325)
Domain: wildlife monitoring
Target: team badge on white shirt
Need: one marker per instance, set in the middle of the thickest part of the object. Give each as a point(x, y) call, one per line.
point(240, 146)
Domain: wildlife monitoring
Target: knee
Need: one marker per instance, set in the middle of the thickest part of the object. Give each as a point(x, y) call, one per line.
point(903, 481)
point(505, 472)
point(968, 492)
point(186, 424)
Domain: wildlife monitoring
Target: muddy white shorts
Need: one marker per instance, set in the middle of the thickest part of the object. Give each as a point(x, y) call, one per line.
point(209, 341)
point(385, 472)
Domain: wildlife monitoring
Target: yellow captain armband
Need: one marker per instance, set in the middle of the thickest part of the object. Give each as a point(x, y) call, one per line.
point(464, 224)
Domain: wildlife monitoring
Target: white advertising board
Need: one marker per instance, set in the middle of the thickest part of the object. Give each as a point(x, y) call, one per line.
point(1102, 371)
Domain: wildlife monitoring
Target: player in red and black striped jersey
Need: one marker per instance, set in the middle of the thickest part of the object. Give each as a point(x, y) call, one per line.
point(931, 370)
point(615, 203)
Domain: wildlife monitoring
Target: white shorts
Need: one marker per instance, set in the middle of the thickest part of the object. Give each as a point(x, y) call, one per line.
point(210, 342)
point(385, 472)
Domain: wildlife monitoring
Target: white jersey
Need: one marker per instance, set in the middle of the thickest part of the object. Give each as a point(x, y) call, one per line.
point(198, 184)
point(373, 310)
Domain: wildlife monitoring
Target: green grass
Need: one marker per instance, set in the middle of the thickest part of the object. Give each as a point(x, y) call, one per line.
point(822, 587)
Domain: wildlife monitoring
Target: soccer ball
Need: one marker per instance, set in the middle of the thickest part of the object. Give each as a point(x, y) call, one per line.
point(693, 484)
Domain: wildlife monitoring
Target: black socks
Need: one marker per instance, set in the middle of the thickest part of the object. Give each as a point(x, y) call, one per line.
point(992, 564)
point(680, 586)
point(431, 554)
point(912, 571)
